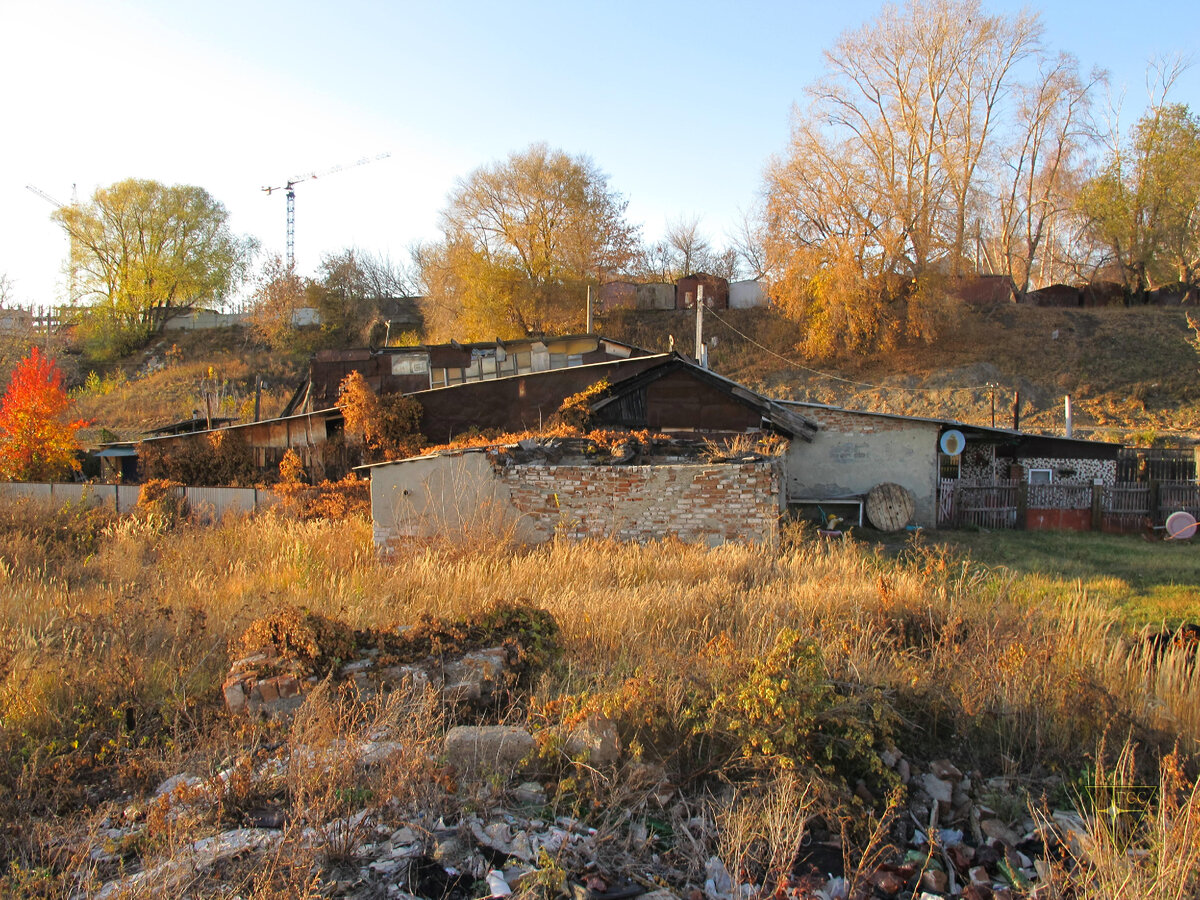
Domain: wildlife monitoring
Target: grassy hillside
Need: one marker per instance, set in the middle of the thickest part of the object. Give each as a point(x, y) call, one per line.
point(1132, 372)
point(170, 379)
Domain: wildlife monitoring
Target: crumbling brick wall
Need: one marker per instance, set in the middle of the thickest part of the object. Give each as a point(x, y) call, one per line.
point(708, 504)
point(841, 421)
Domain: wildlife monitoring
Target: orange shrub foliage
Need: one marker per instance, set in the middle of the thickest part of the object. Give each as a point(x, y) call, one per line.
point(38, 439)
point(328, 500)
point(389, 426)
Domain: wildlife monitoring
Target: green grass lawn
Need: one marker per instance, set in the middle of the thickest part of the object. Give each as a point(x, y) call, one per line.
point(1150, 582)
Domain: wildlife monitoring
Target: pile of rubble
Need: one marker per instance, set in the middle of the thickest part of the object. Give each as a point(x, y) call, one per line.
point(957, 834)
point(976, 854)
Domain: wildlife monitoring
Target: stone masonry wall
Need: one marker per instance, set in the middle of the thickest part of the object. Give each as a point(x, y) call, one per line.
point(1075, 471)
point(711, 504)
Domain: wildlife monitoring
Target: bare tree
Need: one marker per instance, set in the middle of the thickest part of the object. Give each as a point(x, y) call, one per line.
point(748, 239)
point(383, 278)
point(984, 52)
point(691, 248)
point(1040, 167)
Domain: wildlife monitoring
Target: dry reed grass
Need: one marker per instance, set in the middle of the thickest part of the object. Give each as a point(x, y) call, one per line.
point(113, 641)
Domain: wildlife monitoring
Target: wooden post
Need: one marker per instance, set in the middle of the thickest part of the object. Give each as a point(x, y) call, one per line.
point(258, 395)
point(1097, 507)
point(1022, 504)
point(1155, 512)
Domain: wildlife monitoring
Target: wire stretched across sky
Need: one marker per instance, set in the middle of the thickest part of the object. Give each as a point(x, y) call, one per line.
point(863, 384)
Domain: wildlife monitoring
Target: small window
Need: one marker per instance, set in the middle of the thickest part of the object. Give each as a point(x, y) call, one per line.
point(1041, 476)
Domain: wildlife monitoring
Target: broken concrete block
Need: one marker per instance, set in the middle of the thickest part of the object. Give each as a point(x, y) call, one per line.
point(475, 675)
point(236, 690)
point(939, 790)
point(488, 748)
point(595, 741)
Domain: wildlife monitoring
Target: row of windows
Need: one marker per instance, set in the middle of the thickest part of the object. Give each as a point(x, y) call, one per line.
point(488, 367)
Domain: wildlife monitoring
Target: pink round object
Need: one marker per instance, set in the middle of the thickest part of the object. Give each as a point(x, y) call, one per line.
point(1181, 526)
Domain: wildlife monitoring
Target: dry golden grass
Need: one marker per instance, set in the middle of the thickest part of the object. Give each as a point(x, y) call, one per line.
point(114, 637)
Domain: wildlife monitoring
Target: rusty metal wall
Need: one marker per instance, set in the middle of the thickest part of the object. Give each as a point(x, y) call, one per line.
point(678, 400)
point(513, 404)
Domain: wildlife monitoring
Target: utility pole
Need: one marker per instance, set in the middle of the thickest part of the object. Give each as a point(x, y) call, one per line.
point(589, 310)
point(701, 349)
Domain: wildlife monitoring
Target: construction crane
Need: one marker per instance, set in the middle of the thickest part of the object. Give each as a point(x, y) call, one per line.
point(290, 187)
point(44, 196)
point(71, 256)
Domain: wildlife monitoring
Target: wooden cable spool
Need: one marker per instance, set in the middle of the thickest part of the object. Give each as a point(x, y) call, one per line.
point(889, 506)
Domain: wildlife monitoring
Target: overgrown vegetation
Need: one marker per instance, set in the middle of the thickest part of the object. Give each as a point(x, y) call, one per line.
point(742, 664)
point(388, 426)
point(218, 458)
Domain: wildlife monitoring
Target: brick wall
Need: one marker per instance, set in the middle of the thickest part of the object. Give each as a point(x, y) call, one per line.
point(842, 421)
point(711, 504)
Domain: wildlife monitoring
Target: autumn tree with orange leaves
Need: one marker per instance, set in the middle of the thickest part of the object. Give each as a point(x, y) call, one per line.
point(37, 435)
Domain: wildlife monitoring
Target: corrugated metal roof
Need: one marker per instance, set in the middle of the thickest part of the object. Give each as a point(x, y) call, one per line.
point(943, 423)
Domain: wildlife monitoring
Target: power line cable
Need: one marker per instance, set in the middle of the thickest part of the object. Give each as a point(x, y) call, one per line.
point(878, 387)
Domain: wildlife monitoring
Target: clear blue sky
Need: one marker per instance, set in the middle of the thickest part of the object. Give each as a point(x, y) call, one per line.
point(680, 103)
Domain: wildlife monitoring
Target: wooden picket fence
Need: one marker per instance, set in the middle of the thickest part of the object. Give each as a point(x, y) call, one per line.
point(1124, 507)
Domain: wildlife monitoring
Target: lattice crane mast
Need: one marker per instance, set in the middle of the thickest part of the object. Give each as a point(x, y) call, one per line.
point(72, 261)
point(290, 187)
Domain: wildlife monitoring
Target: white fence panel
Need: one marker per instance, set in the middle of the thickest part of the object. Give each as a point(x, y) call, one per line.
point(126, 496)
point(214, 502)
point(17, 491)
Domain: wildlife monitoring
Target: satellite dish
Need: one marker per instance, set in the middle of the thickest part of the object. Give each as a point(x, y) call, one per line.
point(1181, 526)
point(953, 443)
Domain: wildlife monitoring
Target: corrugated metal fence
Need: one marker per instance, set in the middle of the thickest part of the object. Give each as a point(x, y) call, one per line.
point(207, 503)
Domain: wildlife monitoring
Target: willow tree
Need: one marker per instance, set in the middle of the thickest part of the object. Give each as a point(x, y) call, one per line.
point(143, 251)
point(522, 239)
point(1143, 206)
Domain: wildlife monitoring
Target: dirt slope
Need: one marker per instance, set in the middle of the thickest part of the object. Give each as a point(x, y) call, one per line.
point(1132, 373)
